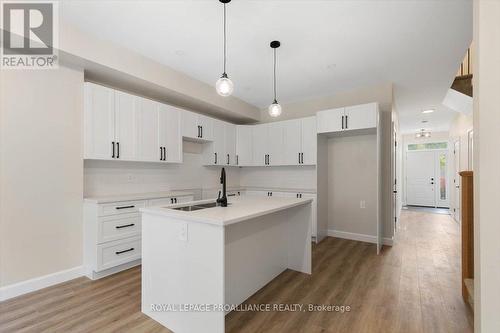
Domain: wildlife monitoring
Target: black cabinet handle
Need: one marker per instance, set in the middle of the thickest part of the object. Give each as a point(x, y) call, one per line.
point(231, 195)
point(346, 119)
point(302, 155)
point(175, 200)
point(237, 160)
point(198, 131)
point(125, 207)
point(172, 200)
point(215, 158)
point(128, 250)
point(117, 150)
point(161, 153)
point(227, 159)
point(299, 158)
point(113, 144)
point(125, 226)
point(201, 131)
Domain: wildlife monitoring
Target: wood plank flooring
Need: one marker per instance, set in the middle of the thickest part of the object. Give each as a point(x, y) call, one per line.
point(412, 287)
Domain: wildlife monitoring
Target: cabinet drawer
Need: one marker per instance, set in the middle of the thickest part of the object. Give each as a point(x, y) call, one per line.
point(121, 207)
point(116, 227)
point(119, 252)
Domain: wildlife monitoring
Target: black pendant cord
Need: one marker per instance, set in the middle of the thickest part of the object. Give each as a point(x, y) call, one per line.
point(274, 74)
point(224, 72)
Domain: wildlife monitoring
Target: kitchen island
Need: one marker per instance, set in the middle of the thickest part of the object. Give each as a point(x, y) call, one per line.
point(199, 260)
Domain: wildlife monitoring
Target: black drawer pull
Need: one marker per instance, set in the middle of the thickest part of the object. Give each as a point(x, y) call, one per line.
point(231, 195)
point(120, 252)
point(125, 226)
point(125, 207)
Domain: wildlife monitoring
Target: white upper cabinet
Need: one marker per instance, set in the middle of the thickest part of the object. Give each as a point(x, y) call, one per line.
point(214, 152)
point(230, 131)
point(293, 142)
point(147, 138)
point(170, 139)
point(361, 116)
point(196, 126)
point(308, 141)
point(275, 143)
point(190, 125)
point(347, 119)
point(330, 120)
point(244, 145)
point(99, 122)
point(125, 126)
point(260, 144)
point(206, 125)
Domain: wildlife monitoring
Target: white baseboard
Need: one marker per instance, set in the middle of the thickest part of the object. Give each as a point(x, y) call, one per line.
point(38, 283)
point(359, 237)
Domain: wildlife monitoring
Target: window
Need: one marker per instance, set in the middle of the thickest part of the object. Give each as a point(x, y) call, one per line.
point(427, 146)
point(442, 176)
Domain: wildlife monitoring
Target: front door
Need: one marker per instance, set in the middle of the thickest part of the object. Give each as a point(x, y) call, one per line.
point(427, 178)
point(420, 175)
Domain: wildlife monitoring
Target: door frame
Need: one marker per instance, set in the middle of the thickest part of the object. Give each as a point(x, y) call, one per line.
point(457, 204)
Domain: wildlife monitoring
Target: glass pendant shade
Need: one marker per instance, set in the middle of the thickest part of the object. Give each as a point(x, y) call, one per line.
point(275, 109)
point(224, 86)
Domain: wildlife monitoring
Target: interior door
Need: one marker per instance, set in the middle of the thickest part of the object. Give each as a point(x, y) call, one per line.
point(292, 142)
point(456, 181)
point(420, 178)
point(125, 125)
point(147, 130)
point(309, 140)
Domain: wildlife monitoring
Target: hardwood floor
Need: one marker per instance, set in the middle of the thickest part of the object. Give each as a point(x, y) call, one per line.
point(412, 287)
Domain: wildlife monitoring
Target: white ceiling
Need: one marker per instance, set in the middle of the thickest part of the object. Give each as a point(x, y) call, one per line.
point(327, 46)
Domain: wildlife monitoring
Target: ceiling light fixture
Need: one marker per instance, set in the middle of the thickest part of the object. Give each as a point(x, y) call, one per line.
point(224, 85)
point(275, 108)
point(423, 134)
point(428, 111)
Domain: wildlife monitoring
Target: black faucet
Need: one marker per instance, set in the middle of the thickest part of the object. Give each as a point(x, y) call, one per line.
point(222, 201)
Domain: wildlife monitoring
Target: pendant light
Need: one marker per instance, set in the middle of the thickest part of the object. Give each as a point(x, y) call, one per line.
point(275, 108)
point(224, 85)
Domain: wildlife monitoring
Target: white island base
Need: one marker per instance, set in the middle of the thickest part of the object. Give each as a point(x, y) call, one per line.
point(218, 256)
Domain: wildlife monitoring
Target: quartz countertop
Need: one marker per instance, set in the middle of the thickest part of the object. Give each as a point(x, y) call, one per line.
point(239, 209)
point(135, 196)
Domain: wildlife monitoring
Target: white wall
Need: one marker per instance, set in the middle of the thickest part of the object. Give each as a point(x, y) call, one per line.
point(41, 172)
point(352, 177)
point(486, 166)
point(118, 177)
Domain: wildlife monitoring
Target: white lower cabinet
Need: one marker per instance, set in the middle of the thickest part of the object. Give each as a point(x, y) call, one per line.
point(112, 234)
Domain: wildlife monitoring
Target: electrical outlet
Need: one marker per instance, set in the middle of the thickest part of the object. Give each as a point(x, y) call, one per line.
point(183, 232)
point(362, 204)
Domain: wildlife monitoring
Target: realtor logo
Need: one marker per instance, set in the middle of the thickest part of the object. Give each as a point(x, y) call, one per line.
point(29, 35)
